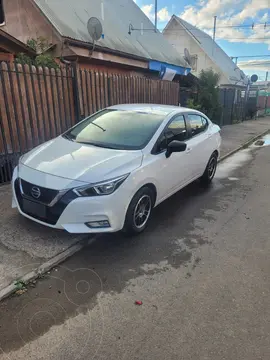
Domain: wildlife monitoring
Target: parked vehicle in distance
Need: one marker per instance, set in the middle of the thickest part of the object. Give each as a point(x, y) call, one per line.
point(110, 170)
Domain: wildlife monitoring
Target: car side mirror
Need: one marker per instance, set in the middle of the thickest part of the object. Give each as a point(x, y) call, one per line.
point(175, 146)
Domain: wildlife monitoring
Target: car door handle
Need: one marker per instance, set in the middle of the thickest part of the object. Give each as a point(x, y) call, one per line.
point(188, 150)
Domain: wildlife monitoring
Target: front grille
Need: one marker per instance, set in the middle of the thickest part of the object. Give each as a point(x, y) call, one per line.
point(54, 212)
point(46, 195)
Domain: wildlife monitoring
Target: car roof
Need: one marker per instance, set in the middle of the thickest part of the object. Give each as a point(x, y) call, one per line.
point(166, 109)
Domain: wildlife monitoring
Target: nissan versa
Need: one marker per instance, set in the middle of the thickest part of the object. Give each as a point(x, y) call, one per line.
point(110, 170)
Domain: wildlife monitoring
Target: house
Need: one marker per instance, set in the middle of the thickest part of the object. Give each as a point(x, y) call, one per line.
point(262, 85)
point(129, 43)
point(10, 46)
point(261, 90)
point(204, 53)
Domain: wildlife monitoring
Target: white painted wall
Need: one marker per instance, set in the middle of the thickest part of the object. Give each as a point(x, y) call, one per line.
point(180, 39)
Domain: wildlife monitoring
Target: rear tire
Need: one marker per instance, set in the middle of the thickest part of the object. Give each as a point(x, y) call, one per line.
point(210, 170)
point(139, 211)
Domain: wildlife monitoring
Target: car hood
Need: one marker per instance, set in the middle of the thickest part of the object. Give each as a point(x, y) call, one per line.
point(87, 163)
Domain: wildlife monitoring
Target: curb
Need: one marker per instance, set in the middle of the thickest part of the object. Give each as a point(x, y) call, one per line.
point(48, 265)
point(56, 260)
point(243, 146)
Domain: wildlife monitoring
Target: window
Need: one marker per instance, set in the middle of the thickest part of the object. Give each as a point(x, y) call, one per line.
point(197, 123)
point(2, 15)
point(176, 130)
point(204, 122)
point(118, 129)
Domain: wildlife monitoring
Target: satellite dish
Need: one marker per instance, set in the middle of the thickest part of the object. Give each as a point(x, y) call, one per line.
point(94, 28)
point(254, 78)
point(187, 56)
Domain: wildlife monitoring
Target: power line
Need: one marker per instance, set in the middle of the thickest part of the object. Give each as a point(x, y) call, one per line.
point(205, 28)
point(252, 26)
point(235, 38)
point(255, 64)
point(206, 35)
point(194, 28)
point(249, 56)
point(243, 38)
point(197, 29)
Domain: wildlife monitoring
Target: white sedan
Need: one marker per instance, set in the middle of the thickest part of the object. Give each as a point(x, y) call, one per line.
point(110, 170)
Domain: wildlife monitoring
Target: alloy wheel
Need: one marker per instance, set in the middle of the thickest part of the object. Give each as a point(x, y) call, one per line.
point(142, 211)
point(212, 167)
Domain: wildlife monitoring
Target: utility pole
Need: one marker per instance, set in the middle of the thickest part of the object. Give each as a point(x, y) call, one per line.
point(155, 15)
point(266, 94)
point(214, 33)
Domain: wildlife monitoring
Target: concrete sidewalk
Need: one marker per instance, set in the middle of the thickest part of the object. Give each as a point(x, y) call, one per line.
point(236, 135)
point(27, 247)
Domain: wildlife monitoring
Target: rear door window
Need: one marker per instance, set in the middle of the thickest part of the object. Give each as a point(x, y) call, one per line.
point(197, 124)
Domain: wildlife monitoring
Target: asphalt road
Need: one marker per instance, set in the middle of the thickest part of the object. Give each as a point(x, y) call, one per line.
point(201, 270)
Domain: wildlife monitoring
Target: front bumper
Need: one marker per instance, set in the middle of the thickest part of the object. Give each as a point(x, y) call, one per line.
point(72, 212)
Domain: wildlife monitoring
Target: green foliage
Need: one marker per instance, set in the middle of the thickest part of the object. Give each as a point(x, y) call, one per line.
point(22, 58)
point(39, 45)
point(46, 60)
point(20, 284)
point(208, 94)
point(192, 105)
point(32, 43)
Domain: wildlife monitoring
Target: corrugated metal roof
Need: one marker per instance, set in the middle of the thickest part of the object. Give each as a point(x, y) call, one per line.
point(70, 17)
point(218, 56)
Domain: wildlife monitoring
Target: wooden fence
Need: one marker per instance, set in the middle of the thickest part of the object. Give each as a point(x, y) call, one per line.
point(37, 104)
point(98, 90)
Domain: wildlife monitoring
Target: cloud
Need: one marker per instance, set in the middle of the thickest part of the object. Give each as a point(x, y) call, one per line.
point(162, 15)
point(262, 65)
point(149, 11)
point(250, 10)
point(202, 14)
point(230, 13)
point(265, 17)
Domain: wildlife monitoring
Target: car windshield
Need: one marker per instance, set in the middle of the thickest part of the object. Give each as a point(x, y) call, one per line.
point(117, 129)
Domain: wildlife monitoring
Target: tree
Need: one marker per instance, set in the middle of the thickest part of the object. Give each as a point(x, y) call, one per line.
point(208, 93)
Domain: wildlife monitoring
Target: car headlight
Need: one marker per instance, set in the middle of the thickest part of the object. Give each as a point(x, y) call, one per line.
point(102, 188)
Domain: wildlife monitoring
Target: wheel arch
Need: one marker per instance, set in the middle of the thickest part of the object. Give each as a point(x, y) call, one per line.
point(153, 188)
point(216, 152)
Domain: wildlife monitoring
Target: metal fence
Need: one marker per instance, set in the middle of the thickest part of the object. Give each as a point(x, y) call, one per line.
point(37, 104)
point(233, 106)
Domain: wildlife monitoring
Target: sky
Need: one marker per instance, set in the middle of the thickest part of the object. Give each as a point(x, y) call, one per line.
point(234, 34)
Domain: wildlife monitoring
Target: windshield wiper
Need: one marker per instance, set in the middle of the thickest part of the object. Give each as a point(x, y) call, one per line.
point(97, 145)
point(98, 126)
point(68, 137)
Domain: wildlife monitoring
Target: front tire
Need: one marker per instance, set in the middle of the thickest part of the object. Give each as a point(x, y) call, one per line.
point(210, 170)
point(139, 211)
